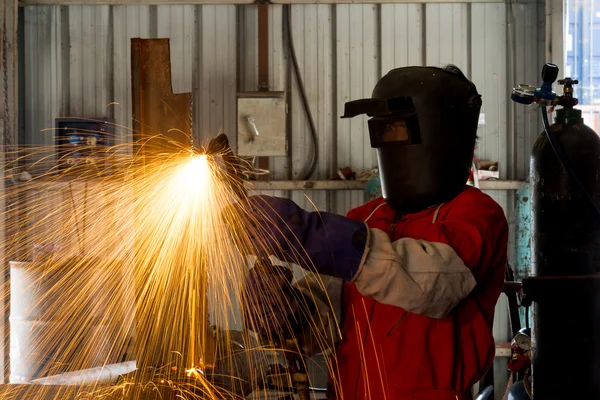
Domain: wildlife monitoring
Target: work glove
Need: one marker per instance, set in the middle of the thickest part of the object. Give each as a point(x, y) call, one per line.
point(233, 166)
point(322, 242)
point(271, 304)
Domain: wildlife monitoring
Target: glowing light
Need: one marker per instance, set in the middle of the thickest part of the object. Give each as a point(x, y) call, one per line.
point(193, 177)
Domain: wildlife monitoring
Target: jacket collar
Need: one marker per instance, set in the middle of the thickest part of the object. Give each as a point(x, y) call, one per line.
point(384, 212)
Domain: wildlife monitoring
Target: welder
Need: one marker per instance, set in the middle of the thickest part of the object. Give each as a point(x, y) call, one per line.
point(422, 267)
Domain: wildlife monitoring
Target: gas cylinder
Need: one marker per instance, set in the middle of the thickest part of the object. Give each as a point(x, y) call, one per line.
point(565, 256)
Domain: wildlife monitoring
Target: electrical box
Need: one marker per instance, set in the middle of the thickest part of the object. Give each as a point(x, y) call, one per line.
point(261, 124)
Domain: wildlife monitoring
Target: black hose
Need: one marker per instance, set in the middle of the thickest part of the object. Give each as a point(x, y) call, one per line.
point(565, 162)
point(313, 129)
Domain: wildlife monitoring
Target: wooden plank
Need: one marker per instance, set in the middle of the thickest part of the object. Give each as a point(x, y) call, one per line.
point(358, 185)
point(53, 185)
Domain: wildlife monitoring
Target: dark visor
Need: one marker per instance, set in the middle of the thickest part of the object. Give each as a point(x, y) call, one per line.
point(399, 130)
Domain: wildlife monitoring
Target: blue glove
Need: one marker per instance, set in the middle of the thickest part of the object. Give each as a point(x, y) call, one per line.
point(270, 304)
point(333, 244)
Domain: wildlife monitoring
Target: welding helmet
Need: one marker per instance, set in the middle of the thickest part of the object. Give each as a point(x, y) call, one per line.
point(423, 126)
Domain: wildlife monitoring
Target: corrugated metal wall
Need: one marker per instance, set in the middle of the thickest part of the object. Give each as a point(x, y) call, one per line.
point(77, 62)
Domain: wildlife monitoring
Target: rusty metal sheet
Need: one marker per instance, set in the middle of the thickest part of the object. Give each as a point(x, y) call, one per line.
point(156, 109)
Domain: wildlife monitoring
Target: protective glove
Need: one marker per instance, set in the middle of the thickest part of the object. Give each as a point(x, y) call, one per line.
point(234, 166)
point(326, 243)
point(270, 304)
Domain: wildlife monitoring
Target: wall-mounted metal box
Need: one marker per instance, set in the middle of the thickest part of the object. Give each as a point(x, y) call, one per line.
point(261, 124)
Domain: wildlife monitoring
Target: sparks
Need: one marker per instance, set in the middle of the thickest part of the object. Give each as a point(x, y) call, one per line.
point(126, 263)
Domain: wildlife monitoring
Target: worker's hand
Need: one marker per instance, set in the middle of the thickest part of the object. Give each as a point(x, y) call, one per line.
point(326, 243)
point(270, 304)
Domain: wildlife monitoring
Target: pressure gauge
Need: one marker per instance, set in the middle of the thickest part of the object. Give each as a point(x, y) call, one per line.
point(522, 341)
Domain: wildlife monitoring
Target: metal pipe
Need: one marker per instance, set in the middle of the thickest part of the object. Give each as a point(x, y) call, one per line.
point(548, 26)
point(512, 131)
point(263, 67)
point(107, 374)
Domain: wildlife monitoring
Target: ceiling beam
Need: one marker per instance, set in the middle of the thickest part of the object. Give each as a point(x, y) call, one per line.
point(130, 2)
point(245, 2)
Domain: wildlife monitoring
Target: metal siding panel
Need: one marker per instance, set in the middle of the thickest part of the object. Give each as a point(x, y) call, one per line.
point(401, 35)
point(43, 75)
point(324, 110)
point(528, 69)
point(460, 35)
point(215, 84)
point(76, 60)
point(277, 60)
point(489, 73)
point(90, 63)
point(279, 166)
point(177, 23)
point(358, 69)
point(311, 30)
point(249, 45)
point(432, 34)
point(557, 45)
point(128, 22)
point(102, 50)
point(446, 35)
point(303, 34)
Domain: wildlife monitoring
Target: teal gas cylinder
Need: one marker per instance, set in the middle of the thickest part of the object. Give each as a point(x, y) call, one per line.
point(523, 233)
point(522, 263)
point(373, 187)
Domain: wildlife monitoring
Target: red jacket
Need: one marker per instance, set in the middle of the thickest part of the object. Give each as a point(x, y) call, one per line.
point(389, 353)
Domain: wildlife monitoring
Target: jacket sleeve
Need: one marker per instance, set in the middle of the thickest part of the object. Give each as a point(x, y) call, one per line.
point(326, 292)
point(431, 276)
